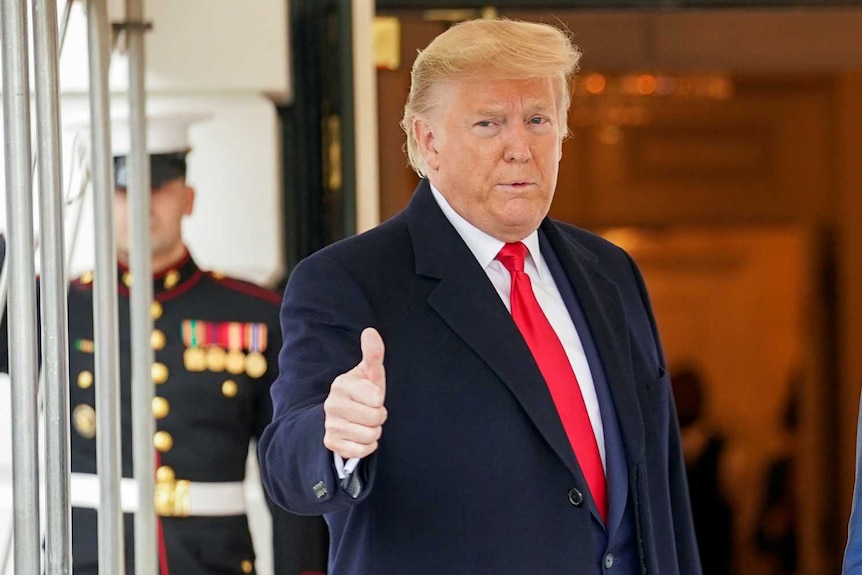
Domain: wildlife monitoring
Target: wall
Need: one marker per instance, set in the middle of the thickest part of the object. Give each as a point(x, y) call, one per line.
point(849, 213)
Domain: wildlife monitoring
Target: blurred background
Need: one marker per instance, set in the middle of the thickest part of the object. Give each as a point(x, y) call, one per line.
point(719, 142)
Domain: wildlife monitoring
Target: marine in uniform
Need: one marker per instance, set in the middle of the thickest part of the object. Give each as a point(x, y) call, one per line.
point(215, 341)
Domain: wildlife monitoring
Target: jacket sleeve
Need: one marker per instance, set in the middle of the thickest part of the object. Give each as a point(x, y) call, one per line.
point(853, 551)
point(4, 328)
point(322, 315)
point(299, 544)
point(687, 554)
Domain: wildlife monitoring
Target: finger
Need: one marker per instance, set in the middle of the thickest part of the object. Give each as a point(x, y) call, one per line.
point(351, 389)
point(364, 415)
point(348, 449)
point(372, 357)
point(364, 392)
point(342, 430)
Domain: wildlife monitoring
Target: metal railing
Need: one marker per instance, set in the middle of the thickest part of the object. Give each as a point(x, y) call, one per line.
point(18, 274)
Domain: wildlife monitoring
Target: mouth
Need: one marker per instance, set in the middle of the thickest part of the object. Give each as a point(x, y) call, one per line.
point(517, 185)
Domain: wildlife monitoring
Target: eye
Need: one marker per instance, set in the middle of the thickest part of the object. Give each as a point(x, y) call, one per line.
point(484, 123)
point(538, 120)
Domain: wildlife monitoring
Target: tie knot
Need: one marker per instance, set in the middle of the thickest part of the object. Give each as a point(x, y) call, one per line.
point(512, 256)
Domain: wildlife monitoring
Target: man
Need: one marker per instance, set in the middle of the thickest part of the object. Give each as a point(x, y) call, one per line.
point(471, 387)
point(710, 470)
point(853, 551)
point(215, 342)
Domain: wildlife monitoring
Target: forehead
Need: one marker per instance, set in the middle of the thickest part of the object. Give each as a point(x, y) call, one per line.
point(475, 96)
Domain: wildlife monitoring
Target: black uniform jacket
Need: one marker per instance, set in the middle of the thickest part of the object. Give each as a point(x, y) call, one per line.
point(215, 342)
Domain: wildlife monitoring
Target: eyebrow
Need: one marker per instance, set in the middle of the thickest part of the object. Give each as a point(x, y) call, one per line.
point(540, 105)
point(532, 107)
point(491, 112)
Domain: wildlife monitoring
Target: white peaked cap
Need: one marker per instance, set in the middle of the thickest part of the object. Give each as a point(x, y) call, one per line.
point(167, 131)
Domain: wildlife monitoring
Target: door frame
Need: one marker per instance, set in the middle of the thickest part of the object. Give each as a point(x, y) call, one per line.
point(317, 129)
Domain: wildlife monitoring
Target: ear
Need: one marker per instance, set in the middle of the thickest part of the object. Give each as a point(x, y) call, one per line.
point(562, 139)
point(426, 141)
point(190, 201)
point(563, 134)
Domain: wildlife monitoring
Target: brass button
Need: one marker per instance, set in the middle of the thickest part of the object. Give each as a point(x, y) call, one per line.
point(165, 473)
point(86, 278)
point(85, 379)
point(217, 275)
point(172, 279)
point(157, 339)
point(247, 566)
point(163, 441)
point(84, 419)
point(156, 310)
point(229, 388)
point(127, 279)
point(159, 372)
point(161, 407)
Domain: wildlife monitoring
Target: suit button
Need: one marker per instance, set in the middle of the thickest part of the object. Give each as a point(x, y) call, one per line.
point(165, 474)
point(161, 407)
point(159, 371)
point(163, 441)
point(609, 560)
point(158, 339)
point(229, 388)
point(84, 420)
point(156, 310)
point(85, 379)
point(172, 279)
point(576, 498)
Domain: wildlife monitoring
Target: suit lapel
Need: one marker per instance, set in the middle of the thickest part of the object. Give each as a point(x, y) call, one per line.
point(605, 314)
point(465, 299)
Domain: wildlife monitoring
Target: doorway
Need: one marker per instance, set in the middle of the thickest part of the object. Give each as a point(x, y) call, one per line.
point(722, 189)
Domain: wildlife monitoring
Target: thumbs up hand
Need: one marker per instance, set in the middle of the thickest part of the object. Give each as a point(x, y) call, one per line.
point(354, 408)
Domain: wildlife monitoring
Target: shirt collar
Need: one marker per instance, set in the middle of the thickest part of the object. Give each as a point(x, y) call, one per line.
point(485, 247)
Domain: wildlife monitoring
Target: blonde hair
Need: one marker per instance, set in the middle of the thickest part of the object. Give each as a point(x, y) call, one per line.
point(487, 49)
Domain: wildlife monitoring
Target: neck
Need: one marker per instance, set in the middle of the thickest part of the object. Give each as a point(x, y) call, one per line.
point(161, 261)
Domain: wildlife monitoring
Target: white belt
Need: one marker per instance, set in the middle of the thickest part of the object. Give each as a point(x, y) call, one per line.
point(177, 498)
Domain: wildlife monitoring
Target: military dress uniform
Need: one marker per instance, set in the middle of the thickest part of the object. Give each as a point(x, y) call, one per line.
point(215, 342)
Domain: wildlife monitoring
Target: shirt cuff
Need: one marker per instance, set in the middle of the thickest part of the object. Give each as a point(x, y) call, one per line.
point(343, 469)
point(350, 481)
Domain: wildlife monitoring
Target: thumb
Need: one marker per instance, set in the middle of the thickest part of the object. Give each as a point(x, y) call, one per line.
point(371, 365)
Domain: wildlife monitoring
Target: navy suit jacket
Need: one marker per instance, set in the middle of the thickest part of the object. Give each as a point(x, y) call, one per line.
point(474, 473)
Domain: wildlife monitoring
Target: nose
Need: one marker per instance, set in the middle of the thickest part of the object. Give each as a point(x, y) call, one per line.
point(517, 145)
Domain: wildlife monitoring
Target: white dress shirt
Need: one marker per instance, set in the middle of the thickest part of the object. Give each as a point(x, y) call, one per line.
point(485, 249)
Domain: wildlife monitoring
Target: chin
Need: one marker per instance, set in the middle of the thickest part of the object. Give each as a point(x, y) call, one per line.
point(514, 232)
point(523, 220)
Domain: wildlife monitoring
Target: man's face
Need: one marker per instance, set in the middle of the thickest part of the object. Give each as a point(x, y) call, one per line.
point(493, 150)
point(168, 205)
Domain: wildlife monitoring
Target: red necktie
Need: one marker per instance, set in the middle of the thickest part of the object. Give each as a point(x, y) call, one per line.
point(557, 371)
